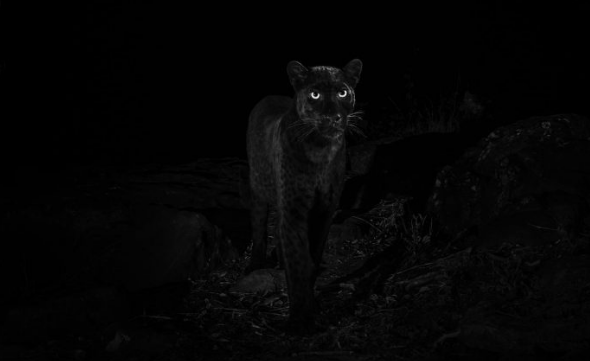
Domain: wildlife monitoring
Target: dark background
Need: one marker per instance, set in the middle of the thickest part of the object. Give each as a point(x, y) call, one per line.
point(130, 82)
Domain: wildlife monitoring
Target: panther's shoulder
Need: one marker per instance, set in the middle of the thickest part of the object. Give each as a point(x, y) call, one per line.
point(278, 102)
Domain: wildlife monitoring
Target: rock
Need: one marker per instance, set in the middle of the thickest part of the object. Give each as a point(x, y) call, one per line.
point(525, 228)
point(204, 184)
point(555, 322)
point(352, 228)
point(216, 188)
point(262, 280)
point(530, 178)
point(169, 246)
point(96, 223)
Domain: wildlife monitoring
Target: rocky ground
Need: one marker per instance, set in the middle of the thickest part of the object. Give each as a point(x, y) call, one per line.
point(455, 252)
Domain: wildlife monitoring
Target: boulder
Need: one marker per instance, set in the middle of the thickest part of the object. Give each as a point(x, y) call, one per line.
point(137, 228)
point(529, 180)
point(168, 246)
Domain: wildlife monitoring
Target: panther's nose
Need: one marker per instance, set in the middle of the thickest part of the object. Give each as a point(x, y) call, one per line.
point(337, 119)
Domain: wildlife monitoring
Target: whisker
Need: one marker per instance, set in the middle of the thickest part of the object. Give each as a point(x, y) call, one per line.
point(356, 115)
point(353, 129)
point(353, 120)
point(301, 129)
point(296, 123)
point(305, 134)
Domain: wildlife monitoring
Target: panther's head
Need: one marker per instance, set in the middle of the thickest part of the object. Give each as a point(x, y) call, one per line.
point(325, 97)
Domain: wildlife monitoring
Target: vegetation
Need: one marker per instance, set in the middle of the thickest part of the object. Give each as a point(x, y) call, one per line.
point(438, 303)
point(418, 114)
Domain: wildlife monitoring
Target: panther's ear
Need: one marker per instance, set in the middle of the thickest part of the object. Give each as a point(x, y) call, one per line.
point(352, 71)
point(297, 72)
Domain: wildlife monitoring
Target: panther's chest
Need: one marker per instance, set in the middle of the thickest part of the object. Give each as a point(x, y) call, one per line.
point(317, 177)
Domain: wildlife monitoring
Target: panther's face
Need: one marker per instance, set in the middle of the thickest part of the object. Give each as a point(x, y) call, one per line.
point(325, 96)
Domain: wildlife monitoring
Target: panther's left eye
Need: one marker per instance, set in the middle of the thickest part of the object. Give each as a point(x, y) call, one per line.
point(343, 93)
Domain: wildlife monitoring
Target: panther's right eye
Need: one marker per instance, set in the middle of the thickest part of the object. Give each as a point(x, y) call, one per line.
point(314, 95)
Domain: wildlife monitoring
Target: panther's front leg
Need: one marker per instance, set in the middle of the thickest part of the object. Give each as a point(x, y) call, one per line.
point(298, 262)
point(319, 228)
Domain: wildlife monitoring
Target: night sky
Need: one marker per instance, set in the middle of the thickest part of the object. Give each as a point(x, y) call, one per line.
point(129, 82)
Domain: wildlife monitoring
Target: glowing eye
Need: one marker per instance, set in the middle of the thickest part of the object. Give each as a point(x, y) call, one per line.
point(342, 93)
point(314, 95)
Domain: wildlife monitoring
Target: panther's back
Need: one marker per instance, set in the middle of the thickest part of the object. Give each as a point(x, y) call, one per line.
point(262, 141)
